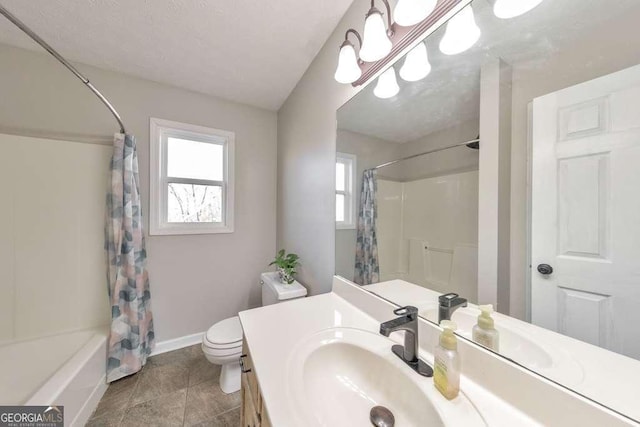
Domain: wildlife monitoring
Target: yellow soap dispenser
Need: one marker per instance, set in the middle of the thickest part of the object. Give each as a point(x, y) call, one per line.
point(446, 369)
point(484, 333)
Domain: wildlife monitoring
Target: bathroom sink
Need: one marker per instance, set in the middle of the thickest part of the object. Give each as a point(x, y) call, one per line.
point(519, 344)
point(513, 344)
point(337, 375)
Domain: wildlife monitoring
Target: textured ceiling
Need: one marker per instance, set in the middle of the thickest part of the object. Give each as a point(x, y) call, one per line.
point(450, 95)
point(249, 51)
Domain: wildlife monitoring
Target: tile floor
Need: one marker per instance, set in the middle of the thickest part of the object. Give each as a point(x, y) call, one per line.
point(179, 388)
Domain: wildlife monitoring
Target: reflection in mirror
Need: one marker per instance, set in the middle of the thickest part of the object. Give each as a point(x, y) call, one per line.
point(427, 215)
point(552, 91)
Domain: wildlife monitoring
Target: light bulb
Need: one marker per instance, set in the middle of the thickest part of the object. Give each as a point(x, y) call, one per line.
point(506, 9)
point(348, 70)
point(387, 85)
point(410, 12)
point(376, 43)
point(416, 64)
point(462, 32)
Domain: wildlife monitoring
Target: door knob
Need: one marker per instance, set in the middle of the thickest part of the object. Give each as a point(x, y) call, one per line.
point(545, 269)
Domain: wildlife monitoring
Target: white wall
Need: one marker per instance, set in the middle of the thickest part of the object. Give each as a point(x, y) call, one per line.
point(195, 280)
point(51, 245)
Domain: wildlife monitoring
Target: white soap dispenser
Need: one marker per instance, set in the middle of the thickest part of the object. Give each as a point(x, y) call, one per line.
point(484, 333)
point(446, 367)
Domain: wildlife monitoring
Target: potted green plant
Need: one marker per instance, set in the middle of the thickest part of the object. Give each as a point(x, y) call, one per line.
point(286, 265)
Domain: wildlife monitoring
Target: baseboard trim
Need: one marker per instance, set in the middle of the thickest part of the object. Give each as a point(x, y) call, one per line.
point(177, 343)
point(91, 403)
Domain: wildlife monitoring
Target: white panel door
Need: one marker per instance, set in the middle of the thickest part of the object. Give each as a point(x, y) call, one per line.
point(585, 230)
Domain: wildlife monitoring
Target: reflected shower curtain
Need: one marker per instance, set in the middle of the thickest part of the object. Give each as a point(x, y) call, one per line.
point(131, 339)
point(367, 269)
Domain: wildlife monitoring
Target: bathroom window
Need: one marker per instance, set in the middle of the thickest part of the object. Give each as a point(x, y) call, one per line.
point(191, 179)
point(345, 185)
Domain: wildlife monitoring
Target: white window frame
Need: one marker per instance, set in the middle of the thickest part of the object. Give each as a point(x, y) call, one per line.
point(350, 162)
point(160, 131)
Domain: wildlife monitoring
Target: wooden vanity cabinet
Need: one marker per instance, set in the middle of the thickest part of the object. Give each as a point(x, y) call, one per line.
point(252, 411)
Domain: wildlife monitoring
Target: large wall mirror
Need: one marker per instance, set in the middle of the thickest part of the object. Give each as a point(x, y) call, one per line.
point(541, 110)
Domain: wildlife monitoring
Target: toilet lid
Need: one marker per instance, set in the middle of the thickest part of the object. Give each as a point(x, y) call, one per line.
point(226, 331)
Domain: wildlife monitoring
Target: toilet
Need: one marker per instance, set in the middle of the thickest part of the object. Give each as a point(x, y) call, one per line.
point(222, 344)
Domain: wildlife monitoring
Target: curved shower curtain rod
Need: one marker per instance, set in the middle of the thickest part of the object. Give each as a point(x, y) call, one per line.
point(473, 144)
point(64, 62)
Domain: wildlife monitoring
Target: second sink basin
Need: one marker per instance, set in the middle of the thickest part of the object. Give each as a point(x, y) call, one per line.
point(337, 375)
point(512, 344)
point(518, 345)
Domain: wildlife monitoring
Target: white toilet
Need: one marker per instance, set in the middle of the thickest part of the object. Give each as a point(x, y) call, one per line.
point(222, 344)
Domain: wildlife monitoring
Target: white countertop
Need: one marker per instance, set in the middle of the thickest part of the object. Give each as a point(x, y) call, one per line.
point(273, 331)
point(602, 375)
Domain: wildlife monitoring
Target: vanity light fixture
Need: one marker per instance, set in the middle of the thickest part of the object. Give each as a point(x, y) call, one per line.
point(462, 32)
point(348, 70)
point(410, 12)
point(416, 64)
point(506, 9)
point(387, 86)
point(383, 39)
point(376, 43)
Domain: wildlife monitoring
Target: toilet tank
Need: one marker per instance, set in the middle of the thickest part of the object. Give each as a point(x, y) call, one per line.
point(273, 291)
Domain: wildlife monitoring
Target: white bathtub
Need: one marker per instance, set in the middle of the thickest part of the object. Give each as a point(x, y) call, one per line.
point(66, 369)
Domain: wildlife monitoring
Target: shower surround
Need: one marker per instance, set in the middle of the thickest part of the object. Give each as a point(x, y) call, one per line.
point(428, 231)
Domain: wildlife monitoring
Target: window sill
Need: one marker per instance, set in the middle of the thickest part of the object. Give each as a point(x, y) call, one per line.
point(181, 230)
point(345, 226)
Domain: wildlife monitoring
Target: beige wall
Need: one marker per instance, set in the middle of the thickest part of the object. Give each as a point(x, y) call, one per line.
point(195, 280)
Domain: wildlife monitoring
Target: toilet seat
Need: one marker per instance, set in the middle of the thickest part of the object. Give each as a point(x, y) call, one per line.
point(213, 346)
point(221, 348)
point(224, 337)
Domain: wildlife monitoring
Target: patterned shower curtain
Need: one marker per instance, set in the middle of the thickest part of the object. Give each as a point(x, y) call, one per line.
point(131, 339)
point(367, 269)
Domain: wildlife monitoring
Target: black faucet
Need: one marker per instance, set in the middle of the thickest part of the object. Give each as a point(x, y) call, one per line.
point(448, 303)
point(407, 322)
